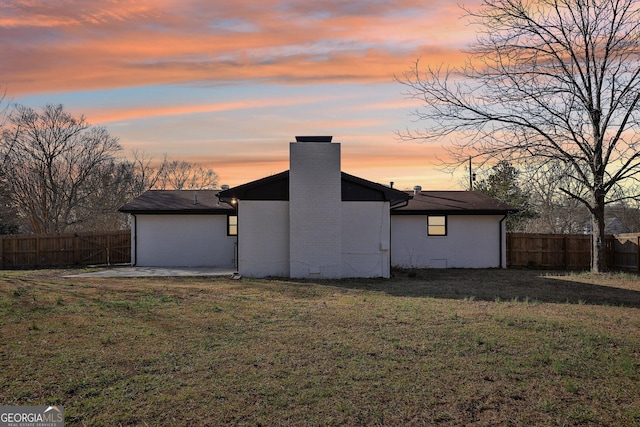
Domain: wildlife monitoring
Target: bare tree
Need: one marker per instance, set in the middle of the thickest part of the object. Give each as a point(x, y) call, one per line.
point(108, 188)
point(557, 213)
point(144, 175)
point(59, 173)
point(8, 223)
point(183, 175)
point(554, 80)
point(52, 160)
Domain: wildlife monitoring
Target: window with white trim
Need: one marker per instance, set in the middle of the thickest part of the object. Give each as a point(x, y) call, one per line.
point(232, 225)
point(436, 225)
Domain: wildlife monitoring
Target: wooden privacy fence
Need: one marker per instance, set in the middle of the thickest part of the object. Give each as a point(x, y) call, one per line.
point(59, 250)
point(624, 252)
point(524, 250)
point(548, 251)
point(570, 251)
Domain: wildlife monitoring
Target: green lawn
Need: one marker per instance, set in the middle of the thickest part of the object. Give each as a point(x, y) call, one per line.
point(439, 347)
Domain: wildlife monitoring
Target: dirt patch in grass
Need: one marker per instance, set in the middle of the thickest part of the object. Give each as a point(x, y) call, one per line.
point(440, 347)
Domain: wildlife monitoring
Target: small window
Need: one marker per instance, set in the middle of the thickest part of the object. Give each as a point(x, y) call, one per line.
point(436, 226)
point(232, 225)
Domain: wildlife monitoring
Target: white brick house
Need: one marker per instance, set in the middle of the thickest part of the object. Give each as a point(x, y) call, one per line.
point(449, 229)
point(182, 229)
point(315, 221)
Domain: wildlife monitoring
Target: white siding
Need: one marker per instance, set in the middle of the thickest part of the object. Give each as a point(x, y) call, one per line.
point(472, 241)
point(263, 238)
point(182, 241)
point(365, 239)
point(314, 210)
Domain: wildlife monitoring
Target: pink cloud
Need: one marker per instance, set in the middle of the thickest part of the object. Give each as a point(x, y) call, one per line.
point(372, 157)
point(74, 45)
point(101, 116)
point(405, 170)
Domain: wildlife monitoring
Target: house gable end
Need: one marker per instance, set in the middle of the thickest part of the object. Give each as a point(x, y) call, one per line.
point(276, 187)
point(356, 189)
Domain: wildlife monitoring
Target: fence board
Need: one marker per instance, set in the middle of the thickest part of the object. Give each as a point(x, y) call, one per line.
point(59, 250)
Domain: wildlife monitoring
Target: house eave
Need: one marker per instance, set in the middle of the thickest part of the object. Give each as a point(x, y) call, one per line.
point(224, 211)
point(176, 202)
point(450, 212)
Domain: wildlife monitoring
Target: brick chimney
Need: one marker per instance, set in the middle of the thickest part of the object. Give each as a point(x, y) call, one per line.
point(315, 210)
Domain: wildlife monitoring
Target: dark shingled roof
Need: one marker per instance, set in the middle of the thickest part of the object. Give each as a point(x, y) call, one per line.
point(425, 202)
point(177, 202)
point(453, 203)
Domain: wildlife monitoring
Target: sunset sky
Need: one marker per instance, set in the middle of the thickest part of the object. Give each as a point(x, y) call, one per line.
point(229, 84)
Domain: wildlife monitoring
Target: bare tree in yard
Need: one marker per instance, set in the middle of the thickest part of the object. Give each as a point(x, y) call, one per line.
point(552, 80)
point(144, 175)
point(55, 166)
point(183, 175)
point(8, 222)
point(557, 213)
point(168, 175)
point(110, 186)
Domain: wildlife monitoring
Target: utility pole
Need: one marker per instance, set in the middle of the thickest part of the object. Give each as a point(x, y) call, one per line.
point(472, 176)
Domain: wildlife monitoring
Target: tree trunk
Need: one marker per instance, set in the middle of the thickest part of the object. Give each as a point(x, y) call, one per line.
point(598, 247)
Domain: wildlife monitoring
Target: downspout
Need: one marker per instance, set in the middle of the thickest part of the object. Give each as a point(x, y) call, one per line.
point(135, 239)
point(237, 248)
point(401, 204)
point(390, 244)
point(500, 243)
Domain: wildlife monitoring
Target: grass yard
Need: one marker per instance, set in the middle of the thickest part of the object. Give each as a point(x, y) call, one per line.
point(435, 348)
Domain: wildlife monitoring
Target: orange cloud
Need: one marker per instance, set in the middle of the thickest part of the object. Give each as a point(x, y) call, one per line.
point(404, 171)
point(76, 45)
point(372, 157)
point(103, 115)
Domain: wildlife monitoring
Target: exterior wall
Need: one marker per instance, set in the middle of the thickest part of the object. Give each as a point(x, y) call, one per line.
point(472, 241)
point(182, 241)
point(315, 197)
point(365, 239)
point(263, 238)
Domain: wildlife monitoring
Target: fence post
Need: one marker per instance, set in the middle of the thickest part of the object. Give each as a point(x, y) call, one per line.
point(638, 254)
point(76, 261)
point(1, 253)
point(13, 251)
point(613, 241)
point(37, 251)
point(108, 250)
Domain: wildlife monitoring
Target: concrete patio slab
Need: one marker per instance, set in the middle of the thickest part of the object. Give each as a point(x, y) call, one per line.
point(158, 272)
